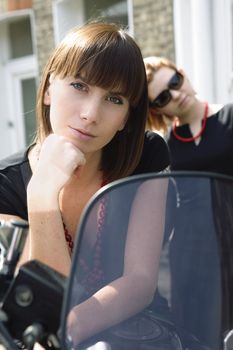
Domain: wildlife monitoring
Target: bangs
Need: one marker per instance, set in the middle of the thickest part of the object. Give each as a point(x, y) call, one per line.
point(108, 61)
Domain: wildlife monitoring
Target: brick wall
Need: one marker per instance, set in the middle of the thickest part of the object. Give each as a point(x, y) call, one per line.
point(153, 27)
point(44, 35)
point(13, 5)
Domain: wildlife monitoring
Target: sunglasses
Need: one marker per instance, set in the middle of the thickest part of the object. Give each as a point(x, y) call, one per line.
point(165, 96)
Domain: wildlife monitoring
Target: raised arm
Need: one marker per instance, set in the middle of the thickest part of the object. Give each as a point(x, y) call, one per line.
point(133, 291)
point(56, 162)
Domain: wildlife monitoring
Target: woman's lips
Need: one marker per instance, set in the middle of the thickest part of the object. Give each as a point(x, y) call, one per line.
point(183, 101)
point(82, 134)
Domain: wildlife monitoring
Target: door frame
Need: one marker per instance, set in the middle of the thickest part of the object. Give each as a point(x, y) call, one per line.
point(205, 48)
point(16, 71)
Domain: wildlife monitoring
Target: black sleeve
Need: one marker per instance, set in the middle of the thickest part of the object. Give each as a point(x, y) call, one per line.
point(226, 116)
point(12, 194)
point(155, 155)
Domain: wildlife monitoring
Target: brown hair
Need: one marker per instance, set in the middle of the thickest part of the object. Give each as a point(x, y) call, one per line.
point(156, 120)
point(109, 58)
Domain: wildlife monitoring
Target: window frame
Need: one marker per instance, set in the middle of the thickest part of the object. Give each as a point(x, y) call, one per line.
point(70, 13)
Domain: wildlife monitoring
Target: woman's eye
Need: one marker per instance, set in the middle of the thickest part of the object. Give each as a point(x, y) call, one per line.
point(79, 86)
point(116, 100)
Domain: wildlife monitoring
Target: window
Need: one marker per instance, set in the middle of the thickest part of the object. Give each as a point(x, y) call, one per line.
point(29, 98)
point(70, 13)
point(20, 38)
point(112, 11)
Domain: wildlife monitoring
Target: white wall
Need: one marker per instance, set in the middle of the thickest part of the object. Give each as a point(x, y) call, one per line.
point(194, 44)
point(204, 46)
point(223, 42)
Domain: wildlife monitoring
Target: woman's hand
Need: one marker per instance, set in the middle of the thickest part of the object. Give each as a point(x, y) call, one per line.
point(54, 162)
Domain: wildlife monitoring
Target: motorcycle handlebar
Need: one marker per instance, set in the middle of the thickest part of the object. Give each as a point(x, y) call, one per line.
point(13, 234)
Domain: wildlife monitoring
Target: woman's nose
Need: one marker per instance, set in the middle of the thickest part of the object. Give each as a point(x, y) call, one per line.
point(91, 112)
point(175, 94)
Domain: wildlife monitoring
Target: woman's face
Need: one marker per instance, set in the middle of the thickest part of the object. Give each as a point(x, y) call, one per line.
point(87, 115)
point(182, 97)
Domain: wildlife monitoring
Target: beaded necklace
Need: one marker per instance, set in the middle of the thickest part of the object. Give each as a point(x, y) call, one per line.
point(191, 139)
point(93, 276)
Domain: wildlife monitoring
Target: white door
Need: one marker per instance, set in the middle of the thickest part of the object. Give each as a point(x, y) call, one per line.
point(21, 94)
point(18, 74)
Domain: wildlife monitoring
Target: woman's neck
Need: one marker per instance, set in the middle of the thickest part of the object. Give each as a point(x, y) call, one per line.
point(90, 172)
point(194, 114)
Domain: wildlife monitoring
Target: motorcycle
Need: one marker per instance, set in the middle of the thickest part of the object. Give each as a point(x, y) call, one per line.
point(191, 309)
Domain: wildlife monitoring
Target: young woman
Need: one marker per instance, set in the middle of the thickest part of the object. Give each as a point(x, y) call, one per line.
point(200, 138)
point(199, 134)
point(92, 108)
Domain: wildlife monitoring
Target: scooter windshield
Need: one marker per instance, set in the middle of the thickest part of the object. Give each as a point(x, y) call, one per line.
point(152, 266)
